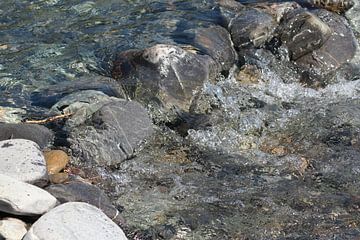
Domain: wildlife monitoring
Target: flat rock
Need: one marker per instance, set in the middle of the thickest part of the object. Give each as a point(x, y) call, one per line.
point(36, 133)
point(56, 160)
point(166, 75)
point(21, 198)
point(112, 134)
point(12, 229)
point(84, 192)
point(76, 221)
point(22, 160)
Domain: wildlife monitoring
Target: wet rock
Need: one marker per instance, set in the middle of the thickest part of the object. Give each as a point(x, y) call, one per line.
point(48, 96)
point(11, 115)
point(303, 32)
point(56, 160)
point(337, 50)
point(112, 134)
point(36, 133)
point(12, 229)
point(85, 192)
point(216, 42)
point(81, 105)
point(21, 198)
point(229, 10)
point(166, 75)
point(23, 160)
point(251, 27)
point(75, 221)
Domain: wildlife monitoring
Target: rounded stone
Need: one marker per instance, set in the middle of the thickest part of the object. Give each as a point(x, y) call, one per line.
point(12, 228)
point(56, 160)
point(76, 221)
point(22, 160)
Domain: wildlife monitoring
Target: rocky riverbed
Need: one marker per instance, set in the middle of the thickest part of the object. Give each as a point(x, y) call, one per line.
point(179, 120)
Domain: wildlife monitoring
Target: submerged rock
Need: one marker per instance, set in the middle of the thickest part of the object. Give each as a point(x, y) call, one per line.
point(76, 221)
point(23, 160)
point(85, 192)
point(112, 134)
point(163, 74)
point(36, 133)
point(21, 198)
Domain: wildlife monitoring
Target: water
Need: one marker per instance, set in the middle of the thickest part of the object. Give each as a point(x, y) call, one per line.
point(278, 160)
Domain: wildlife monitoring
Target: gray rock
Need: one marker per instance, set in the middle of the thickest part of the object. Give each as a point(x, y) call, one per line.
point(251, 27)
point(12, 229)
point(85, 192)
point(164, 74)
point(81, 105)
point(112, 134)
point(303, 32)
point(216, 42)
point(23, 160)
point(21, 198)
point(36, 133)
point(76, 221)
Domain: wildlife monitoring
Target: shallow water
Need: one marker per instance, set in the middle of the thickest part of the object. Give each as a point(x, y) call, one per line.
point(280, 160)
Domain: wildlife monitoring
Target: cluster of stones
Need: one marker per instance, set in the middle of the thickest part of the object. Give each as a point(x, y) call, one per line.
point(31, 208)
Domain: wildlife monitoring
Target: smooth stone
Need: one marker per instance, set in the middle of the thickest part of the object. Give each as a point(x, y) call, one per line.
point(81, 105)
point(11, 115)
point(58, 177)
point(75, 221)
point(303, 32)
point(56, 160)
point(36, 133)
point(21, 198)
point(215, 41)
point(12, 228)
point(251, 27)
point(165, 75)
point(84, 192)
point(23, 160)
point(112, 134)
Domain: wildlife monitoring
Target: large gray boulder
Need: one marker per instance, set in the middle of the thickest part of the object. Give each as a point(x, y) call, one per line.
point(21, 198)
point(112, 134)
point(23, 160)
point(76, 221)
point(36, 133)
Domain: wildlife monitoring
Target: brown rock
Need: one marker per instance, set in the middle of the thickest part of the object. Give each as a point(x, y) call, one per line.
point(58, 177)
point(56, 160)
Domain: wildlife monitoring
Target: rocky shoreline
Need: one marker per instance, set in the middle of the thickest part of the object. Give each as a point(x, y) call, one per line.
point(264, 107)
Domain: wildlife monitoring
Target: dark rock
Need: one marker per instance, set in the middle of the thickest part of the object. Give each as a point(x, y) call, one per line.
point(303, 32)
point(48, 96)
point(229, 9)
point(36, 133)
point(337, 50)
point(216, 42)
point(112, 134)
point(165, 74)
point(251, 27)
point(85, 192)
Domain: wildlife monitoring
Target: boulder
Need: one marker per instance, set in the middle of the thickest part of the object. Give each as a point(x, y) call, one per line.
point(84, 192)
point(36, 133)
point(23, 160)
point(112, 134)
point(12, 229)
point(21, 198)
point(76, 221)
point(166, 75)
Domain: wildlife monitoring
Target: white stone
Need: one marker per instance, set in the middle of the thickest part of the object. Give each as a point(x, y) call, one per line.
point(12, 229)
point(22, 160)
point(75, 221)
point(21, 198)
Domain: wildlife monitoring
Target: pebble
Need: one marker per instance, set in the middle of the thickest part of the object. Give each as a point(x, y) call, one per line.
point(23, 160)
point(76, 221)
point(21, 198)
point(56, 160)
point(12, 229)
